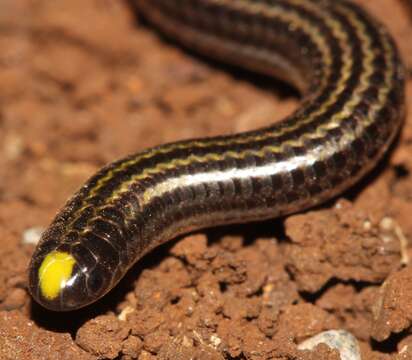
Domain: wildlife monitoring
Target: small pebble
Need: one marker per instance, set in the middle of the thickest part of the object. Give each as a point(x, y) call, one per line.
point(343, 341)
point(32, 235)
point(126, 311)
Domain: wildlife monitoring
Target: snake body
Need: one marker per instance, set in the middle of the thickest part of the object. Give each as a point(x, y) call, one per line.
point(348, 70)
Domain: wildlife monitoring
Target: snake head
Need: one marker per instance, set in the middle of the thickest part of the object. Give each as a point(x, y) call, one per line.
point(62, 279)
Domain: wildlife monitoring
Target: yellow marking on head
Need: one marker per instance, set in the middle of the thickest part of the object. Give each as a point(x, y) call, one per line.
point(54, 272)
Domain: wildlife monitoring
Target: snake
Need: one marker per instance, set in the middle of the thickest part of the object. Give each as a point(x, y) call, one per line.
point(346, 67)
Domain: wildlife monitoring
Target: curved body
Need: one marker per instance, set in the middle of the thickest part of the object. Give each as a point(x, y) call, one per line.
point(348, 70)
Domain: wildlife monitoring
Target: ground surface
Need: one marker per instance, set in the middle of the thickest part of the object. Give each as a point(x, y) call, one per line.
point(83, 83)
